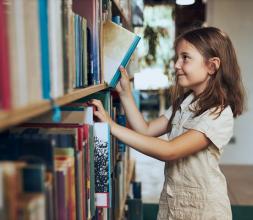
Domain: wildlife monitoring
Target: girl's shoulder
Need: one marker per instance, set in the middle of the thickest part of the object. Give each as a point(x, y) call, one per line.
point(213, 114)
point(215, 117)
point(215, 124)
point(218, 113)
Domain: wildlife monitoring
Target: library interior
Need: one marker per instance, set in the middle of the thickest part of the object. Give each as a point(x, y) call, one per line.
point(95, 94)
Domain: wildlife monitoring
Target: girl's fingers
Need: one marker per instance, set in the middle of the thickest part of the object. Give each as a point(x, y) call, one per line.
point(99, 115)
point(98, 104)
point(123, 72)
point(118, 87)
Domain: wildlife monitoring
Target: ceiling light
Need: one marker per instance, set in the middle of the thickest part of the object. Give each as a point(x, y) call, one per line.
point(185, 2)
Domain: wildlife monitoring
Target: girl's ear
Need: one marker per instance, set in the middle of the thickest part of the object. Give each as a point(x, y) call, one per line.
point(213, 65)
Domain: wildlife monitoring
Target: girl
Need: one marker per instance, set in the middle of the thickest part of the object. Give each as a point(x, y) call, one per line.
point(208, 94)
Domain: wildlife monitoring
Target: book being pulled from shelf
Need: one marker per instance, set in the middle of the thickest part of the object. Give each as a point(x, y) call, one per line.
point(118, 46)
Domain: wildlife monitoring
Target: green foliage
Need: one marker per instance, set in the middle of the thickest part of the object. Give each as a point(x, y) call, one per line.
point(153, 35)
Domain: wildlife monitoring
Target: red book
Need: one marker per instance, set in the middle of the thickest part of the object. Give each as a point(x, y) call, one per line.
point(5, 102)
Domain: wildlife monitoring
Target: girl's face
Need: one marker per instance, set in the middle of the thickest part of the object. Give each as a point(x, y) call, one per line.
point(191, 68)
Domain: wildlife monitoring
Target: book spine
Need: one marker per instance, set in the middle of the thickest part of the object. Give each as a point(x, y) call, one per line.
point(102, 164)
point(84, 52)
point(21, 61)
point(44, 48)
point(5, 96)
point(65, 42)
point(76, 51)
point(55, 47)
point(31, 22)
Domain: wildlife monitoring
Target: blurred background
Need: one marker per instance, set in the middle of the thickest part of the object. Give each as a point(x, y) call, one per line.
point(69, 59)
point(159, 23)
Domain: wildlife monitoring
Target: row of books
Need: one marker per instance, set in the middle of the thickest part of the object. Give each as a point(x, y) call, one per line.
point(43, 51)
point(50, 47)
point(67, 170)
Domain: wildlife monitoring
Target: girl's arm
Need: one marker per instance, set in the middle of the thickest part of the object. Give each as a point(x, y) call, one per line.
point(186, 144)
point(155, 128)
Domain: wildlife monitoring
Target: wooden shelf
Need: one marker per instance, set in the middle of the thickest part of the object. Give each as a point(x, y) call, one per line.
point(128, 181)
point(119, 11)
point(16, 116)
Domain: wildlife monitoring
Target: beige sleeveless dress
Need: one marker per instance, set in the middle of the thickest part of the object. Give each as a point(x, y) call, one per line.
point(194, 187)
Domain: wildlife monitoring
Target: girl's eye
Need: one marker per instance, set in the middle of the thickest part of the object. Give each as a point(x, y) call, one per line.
point(185, 57)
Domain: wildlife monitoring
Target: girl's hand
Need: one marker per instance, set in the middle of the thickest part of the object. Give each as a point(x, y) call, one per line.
point(123, 86)
point(100, 112)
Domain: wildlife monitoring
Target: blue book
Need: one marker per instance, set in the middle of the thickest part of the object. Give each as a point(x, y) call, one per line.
point(33, 176)
point(119, 45)
point(121, 119)
point(44, 47)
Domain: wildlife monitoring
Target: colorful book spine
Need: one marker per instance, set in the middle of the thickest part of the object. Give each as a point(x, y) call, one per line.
point(64, 157)
point(90, 10)
point(44, 47)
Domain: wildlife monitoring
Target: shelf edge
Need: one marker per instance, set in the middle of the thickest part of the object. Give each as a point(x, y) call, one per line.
point(16, 116)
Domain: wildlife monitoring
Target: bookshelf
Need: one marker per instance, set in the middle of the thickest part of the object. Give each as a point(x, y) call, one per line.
point(16, 116)
point(12, 115)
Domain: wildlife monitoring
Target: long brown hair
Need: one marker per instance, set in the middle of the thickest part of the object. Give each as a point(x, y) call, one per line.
point(225, 86)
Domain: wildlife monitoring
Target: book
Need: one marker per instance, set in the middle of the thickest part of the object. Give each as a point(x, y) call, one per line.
point(32, 50)
point(74, 118)
point(90, 10)
point(64, 161)
point(44, 48)
point(33, 178)
point(68, 45)
point(9, 179)
point(118, 46)
point(81, 74)
point(5, 93)
point(55, 47)
point(121, 119)
point(102, 164)
point(17, 59)
point(31, 206)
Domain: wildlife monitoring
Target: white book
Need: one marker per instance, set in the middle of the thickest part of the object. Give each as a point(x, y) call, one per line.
point(118, 46)
point(102, 163)
point(33, 55)
point(18, 74)
point(21, 53)
point(55, 48)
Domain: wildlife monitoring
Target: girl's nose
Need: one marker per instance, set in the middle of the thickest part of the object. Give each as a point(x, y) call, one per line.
point(177, 64)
